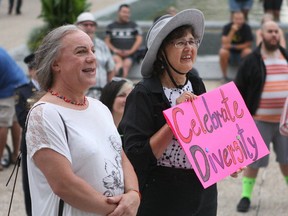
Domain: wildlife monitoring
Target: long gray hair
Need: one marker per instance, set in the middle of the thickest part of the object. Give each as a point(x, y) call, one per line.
point(47, 53)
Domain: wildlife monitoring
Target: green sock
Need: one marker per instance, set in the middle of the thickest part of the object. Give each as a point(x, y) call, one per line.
point(286, 178)
point(247, 186)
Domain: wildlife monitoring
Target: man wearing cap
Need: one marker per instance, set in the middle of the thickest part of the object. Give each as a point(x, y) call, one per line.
point(124, 38)
point(105, 63)
point(24, 99)
point(11, 76)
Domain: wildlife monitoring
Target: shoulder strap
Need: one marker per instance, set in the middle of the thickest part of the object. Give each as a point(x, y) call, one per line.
point(61, 202)
point(61, 207)
point(65, 127)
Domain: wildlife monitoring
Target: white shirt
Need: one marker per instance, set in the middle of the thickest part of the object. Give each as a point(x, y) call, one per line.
point(93, 149)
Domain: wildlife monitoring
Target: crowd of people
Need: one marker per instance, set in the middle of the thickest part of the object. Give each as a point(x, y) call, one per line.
point(79, 109)
point(262, 78)
point(237, 36)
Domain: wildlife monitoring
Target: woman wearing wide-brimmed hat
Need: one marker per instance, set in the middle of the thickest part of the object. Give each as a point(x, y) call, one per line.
point(167, 180)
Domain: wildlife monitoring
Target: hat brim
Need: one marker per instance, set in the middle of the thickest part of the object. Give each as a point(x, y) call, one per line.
point(191, 17)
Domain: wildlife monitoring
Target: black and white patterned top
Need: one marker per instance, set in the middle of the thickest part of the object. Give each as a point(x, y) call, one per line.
point(174, 155)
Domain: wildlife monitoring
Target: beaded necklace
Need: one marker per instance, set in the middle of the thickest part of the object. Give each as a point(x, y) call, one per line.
point(67, 100)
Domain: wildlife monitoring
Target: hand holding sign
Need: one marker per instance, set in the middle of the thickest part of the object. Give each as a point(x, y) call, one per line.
point(217, 133)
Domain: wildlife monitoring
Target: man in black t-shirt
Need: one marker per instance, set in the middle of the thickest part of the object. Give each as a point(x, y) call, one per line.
point(123, 37)
point(236, 42)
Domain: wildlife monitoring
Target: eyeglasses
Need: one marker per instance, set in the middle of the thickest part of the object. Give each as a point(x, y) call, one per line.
point(180, 44)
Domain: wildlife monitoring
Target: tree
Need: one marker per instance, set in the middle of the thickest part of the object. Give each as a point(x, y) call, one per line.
point(56, 13)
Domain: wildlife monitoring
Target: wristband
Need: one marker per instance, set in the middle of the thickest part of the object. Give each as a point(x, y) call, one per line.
point(138, 192)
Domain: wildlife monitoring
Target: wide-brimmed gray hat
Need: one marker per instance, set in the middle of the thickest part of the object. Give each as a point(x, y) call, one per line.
point(162, 27)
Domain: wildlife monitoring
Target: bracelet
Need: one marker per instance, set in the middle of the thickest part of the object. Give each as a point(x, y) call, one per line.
point(138, 192)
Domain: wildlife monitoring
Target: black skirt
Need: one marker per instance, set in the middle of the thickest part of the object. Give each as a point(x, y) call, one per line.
point(176, 192)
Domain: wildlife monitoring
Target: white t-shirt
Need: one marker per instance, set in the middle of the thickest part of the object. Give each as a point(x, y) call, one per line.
point(93, 149)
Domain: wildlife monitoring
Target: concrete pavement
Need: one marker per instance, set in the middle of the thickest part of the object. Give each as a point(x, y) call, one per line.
point(270, 196)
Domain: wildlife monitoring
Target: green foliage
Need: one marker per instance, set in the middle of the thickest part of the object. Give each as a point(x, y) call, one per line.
point(36, 36)
point(59, 12)
point(56, 13)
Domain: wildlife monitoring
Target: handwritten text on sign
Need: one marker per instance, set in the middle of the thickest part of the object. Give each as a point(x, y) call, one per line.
point(217, 133)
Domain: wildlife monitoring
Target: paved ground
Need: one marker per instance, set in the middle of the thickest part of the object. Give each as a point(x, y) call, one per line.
point(270, 196)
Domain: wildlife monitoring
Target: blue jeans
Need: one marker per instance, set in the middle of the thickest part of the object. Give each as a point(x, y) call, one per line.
point(238, 5)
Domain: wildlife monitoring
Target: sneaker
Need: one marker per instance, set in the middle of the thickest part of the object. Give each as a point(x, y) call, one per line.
point(243, 205)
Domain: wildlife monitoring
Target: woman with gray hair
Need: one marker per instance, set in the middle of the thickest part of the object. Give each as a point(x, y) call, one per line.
point(74, 151)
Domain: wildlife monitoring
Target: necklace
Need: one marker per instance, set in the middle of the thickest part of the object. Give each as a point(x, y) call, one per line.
point(65, 99)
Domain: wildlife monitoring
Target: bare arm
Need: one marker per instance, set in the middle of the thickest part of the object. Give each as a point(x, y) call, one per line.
point(71, 188)
point(227, 39)
point(258, 37)
point(160, 140)
point(282, 38)
point(130, 178)
point(107, 40)
point(242, 46)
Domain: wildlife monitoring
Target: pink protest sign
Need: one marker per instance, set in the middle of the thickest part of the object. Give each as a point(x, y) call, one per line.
point(217, 133)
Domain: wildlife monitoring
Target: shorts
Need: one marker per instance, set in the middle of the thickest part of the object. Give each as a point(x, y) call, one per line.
point(131, 57)
point(272, 4)
point(238, 5)
point(7, 112)
point(235, 57)
point(271, 135)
